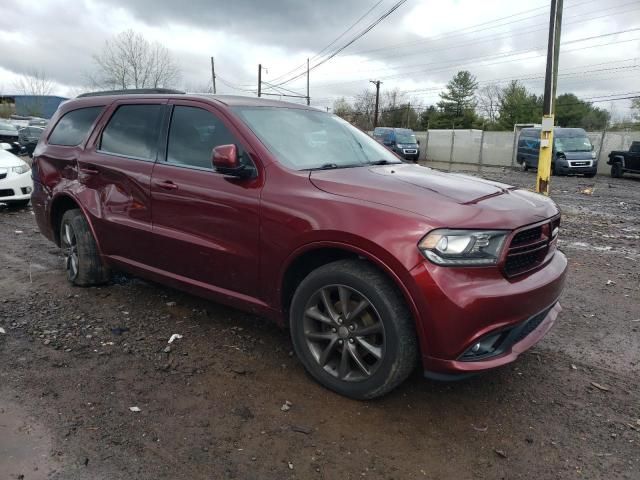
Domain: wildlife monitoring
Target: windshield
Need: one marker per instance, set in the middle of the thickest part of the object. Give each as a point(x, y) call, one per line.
point(405, 138)
point(307, 139)
point(572, 144)
point(7, 126)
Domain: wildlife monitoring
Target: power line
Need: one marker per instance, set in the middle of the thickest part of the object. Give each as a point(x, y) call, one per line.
point(363, 32)
point(474, 60)
point(317, 55)
point(489, 38)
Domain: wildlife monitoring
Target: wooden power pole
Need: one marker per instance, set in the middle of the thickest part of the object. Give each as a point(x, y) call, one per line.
point(308, 98)
point(548, 107)
point(213, 75)
point(259, 79)
point(375, 115)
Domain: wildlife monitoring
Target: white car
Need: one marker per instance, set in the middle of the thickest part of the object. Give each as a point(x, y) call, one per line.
point(16, 184)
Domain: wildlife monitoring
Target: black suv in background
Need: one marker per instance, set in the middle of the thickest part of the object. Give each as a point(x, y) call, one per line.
point(402, 141)
point(625, 161)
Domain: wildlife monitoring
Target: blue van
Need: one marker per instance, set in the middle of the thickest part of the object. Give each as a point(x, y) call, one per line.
point(399, 140)
point(572, 151)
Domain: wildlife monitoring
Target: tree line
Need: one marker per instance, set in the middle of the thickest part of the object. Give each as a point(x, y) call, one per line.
point(463, 104)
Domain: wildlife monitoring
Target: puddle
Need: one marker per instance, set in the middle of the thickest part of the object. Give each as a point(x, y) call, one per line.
point(25, 445)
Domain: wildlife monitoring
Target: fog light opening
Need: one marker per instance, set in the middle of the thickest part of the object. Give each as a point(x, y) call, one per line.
point(485, 347)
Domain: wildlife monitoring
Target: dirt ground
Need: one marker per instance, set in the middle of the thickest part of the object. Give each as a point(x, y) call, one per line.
point(74, 361)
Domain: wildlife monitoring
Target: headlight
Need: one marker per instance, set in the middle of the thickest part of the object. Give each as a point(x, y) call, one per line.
point(24, 168)
point(463, 247)
point(593, 155)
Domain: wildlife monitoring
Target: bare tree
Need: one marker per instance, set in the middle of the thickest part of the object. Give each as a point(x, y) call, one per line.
point(342, 108)
point(364, 106)
point(488, 102)
point(130, 61)
point(37, 85)
point(35, 82)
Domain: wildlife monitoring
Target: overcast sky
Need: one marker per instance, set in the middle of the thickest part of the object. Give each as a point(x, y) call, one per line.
point(417, 49)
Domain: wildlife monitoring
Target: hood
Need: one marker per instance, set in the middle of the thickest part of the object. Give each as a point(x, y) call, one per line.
point(578, 155)
point(9, 133)
point(8, 159)
point(446, 199)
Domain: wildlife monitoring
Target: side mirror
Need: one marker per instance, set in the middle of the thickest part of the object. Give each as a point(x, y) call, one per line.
point(418, 141)
point(225, 160)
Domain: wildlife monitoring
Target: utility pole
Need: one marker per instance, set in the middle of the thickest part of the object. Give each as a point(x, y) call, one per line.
point(308, 98)
point(375, 116)
point(548, 106)
point(213, 75)
point(259, 79)
point(408, 110)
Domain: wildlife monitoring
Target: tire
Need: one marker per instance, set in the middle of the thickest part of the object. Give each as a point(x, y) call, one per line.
point(523, 166)
point(82, 260)
point(554, 172)
point(386, 347)
point(616, 170)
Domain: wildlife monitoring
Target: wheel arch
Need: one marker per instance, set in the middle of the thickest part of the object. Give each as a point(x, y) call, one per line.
point(61, 204)
point(311, 256)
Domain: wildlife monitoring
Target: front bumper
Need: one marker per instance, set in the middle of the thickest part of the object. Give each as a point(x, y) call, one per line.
point(577, 167)
point(15, 188)
point(460, 307)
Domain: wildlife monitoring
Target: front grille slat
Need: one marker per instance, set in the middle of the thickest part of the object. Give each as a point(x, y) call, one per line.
point(529, 248)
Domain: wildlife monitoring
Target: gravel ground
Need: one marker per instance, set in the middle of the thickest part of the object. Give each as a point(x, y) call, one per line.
point(75, 361)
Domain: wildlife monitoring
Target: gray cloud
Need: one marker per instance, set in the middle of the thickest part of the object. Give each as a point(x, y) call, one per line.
point(60, 36)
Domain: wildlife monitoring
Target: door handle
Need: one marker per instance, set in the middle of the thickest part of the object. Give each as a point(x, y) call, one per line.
point(167, 185)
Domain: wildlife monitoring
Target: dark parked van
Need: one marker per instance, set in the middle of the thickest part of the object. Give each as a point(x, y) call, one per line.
point(399, 140)
point(572, 151)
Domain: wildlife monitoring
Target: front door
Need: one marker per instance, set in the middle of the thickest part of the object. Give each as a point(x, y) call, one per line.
point(205, 224)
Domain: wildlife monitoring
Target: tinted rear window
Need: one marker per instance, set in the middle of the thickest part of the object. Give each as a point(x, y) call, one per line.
point(133, 131)
point(74, 126)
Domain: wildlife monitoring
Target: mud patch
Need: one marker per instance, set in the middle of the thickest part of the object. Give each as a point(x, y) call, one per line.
point(25, 445)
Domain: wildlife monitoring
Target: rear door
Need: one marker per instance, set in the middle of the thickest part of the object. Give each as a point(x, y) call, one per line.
point(117, 171)
point(205, 224)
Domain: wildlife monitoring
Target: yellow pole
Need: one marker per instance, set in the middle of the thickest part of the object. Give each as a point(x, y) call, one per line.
point(545, 157)
point(546, 154)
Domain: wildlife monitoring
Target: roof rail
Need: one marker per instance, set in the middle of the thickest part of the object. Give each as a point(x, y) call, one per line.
point(133, 91)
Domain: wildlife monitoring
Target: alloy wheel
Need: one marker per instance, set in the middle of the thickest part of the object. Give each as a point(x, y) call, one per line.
point(70, 251)
point(344, 333)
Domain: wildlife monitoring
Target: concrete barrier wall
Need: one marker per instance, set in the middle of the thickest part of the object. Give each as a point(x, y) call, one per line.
point(463, 147)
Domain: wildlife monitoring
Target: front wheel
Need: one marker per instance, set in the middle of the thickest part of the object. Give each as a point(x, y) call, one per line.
point(352, 331)
point(81, 257)
point(616, 170)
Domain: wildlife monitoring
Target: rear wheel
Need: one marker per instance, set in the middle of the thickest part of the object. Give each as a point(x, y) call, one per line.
point(81, 258)
point(352, 330)
point(616, 170)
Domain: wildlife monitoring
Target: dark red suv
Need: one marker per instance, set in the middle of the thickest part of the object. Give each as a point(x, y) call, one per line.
point(295, 215)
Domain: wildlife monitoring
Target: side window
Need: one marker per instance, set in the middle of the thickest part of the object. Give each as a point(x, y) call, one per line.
point(74, 126)
point(133, 131)
point(193, 134)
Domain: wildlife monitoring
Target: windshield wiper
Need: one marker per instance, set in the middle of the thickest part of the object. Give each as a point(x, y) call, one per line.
point(327, 166)
point(383, 162)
